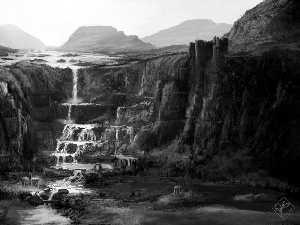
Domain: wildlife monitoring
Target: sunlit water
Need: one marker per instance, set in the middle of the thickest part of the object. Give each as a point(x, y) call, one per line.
point(24, 214)
point(73, 188)
point(42, 215)
point(51, 58)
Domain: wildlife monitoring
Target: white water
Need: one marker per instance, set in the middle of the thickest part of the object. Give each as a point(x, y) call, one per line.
point(75, 78)
point(74, 100)
point(42, 215)
point(70, 126)
point(51, 58)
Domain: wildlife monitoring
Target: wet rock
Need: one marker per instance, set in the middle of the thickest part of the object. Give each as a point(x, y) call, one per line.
point(34, 200)
point(73, 61)
point(38, 60)
point(70, 55)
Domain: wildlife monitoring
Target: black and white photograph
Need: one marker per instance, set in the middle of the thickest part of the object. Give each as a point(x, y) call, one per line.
point(149, 112)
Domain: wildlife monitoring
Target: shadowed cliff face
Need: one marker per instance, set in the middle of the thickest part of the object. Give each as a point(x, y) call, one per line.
point(244, 109)
point(159, 83)
point(28, 97)
point(111, 85)
point(271, 24)
point(209, 107)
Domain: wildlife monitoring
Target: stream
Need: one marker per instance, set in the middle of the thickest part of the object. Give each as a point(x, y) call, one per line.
point(22, 213)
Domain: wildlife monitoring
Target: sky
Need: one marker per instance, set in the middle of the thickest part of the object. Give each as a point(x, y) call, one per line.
point(53, 21)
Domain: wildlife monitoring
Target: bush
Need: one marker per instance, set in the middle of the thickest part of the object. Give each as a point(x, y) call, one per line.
point(146, 140)
point(225, 167)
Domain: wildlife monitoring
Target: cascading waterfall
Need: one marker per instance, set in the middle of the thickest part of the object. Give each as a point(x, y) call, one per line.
point(85, 135)
point(74, 100)
point(74, 93)
point(69, 112)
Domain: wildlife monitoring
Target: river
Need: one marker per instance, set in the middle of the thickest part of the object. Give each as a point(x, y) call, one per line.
point(52, 58)
point(21, 213)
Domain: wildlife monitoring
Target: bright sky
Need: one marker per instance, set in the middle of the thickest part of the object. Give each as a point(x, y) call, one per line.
point(53, 21)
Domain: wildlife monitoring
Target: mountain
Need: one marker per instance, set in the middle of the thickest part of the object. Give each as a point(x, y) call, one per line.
point(13, 37)
point(103, 38)
point(187, 32)
point(270, 24)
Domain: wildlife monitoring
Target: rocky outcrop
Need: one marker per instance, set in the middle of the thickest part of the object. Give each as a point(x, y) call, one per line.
point(188, 31)
point(242, 112)
point(13, 37)
point(271, 24)
point(103, 38)
point(28, 101)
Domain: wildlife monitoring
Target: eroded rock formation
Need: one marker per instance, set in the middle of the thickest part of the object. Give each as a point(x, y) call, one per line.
point(29, 96)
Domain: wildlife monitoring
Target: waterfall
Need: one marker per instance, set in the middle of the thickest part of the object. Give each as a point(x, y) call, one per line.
point(74, 100)
point(81, 135)
point(69, 112)
point(74, 94)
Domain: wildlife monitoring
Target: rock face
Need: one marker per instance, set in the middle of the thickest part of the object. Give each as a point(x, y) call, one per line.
point(226, 115)
point(270, 24)
point(188, 31)
point(13, 37)
point(103, 38)
point(243, 112)
point(28, 104)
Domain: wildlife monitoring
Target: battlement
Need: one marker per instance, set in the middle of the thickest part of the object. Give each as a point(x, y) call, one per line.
point(203, 52)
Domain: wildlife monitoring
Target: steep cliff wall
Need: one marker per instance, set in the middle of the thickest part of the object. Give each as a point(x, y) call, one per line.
point(211, 114)
point(243, 113)
point(29, 96)
point(151, 94)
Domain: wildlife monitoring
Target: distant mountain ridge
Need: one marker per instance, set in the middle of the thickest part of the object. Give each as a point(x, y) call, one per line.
point(103, 38)
point(188, 31)
point(13, 37)
point(270, 24)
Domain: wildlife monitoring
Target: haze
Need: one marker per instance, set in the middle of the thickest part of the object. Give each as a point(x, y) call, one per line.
point(53, 21)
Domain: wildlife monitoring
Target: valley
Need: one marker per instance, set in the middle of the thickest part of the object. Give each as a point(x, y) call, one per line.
point(111, 129)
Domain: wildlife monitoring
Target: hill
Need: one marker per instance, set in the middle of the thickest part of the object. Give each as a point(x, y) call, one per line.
point(13, 37)
point(103, 38)
point(187, 32)
point(270, 24)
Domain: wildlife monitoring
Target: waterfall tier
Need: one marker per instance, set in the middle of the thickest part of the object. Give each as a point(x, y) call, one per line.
point(83, 139)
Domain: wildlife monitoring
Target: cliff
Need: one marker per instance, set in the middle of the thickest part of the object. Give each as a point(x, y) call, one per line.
point(13, 37)
point(188, 31)
point(103, 38)
point(29, 95)
point(243, 116)
point(206, 114)
point(271, 24)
